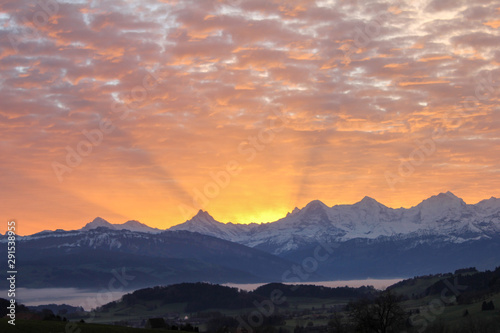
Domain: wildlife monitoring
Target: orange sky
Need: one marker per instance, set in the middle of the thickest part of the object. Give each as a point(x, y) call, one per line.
point(153, 110)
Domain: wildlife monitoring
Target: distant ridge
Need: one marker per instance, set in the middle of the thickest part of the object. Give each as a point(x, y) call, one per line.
point(132, 225)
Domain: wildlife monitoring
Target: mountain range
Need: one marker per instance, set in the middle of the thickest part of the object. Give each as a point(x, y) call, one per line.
point(444, 215)
point(366, 239)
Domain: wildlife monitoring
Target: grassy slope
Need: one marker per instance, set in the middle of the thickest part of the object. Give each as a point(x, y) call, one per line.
point(416, 286)
point(30, 326)
point(154, 308)
point(451, 314)
point(137, 312)
point(454, 314)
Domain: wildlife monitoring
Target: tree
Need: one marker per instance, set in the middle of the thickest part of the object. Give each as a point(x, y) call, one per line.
point(335, 324)
point(382, 315)
point(487, 306)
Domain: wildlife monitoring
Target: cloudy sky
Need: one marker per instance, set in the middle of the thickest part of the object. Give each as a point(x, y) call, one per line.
point(153, 110)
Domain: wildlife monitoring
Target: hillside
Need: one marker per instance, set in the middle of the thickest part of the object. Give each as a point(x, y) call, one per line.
point(204, 296)
point(86, 259)
point(211, 305)
point(30, 326)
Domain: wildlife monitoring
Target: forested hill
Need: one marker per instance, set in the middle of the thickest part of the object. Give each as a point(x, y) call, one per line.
point(471, 284)
point(474, 285)
point(303, 290)
point(202, 296)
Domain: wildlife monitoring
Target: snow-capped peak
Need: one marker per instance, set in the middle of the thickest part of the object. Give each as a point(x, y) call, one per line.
point(98, 222)
point(315, 206)
point(315, 212)
point(204, 223)
point(441, 204)
point(203, 217)
point(368, 203)
point(131, 225)
point(491, 205)
point(134, 225)
point(293, 212)
point(447, 198)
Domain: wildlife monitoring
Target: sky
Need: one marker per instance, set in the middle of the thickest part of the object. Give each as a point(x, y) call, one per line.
point(153, 110)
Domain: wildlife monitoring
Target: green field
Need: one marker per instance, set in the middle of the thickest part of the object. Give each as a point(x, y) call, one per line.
point(454, 314)
point(304, 311)
point(311, 308)
point(149, 309)
point(416, 286)
point(155, 309)
point(30, 326)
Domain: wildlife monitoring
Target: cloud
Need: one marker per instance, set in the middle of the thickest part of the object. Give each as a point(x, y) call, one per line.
point(192, 86)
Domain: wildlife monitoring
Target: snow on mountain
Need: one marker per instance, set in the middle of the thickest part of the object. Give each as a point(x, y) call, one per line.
point(291, 232)
point(441, 215)
point(204, 223)
point(444, 216)
point(99, 222)
point(134, 225)
point(170, 257)
point(442, 207)
point(490, 206)
point(369, 204)
point(368, 237)
point(295, 210)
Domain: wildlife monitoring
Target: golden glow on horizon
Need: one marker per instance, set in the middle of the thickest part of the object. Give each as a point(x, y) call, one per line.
point(163, 218)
